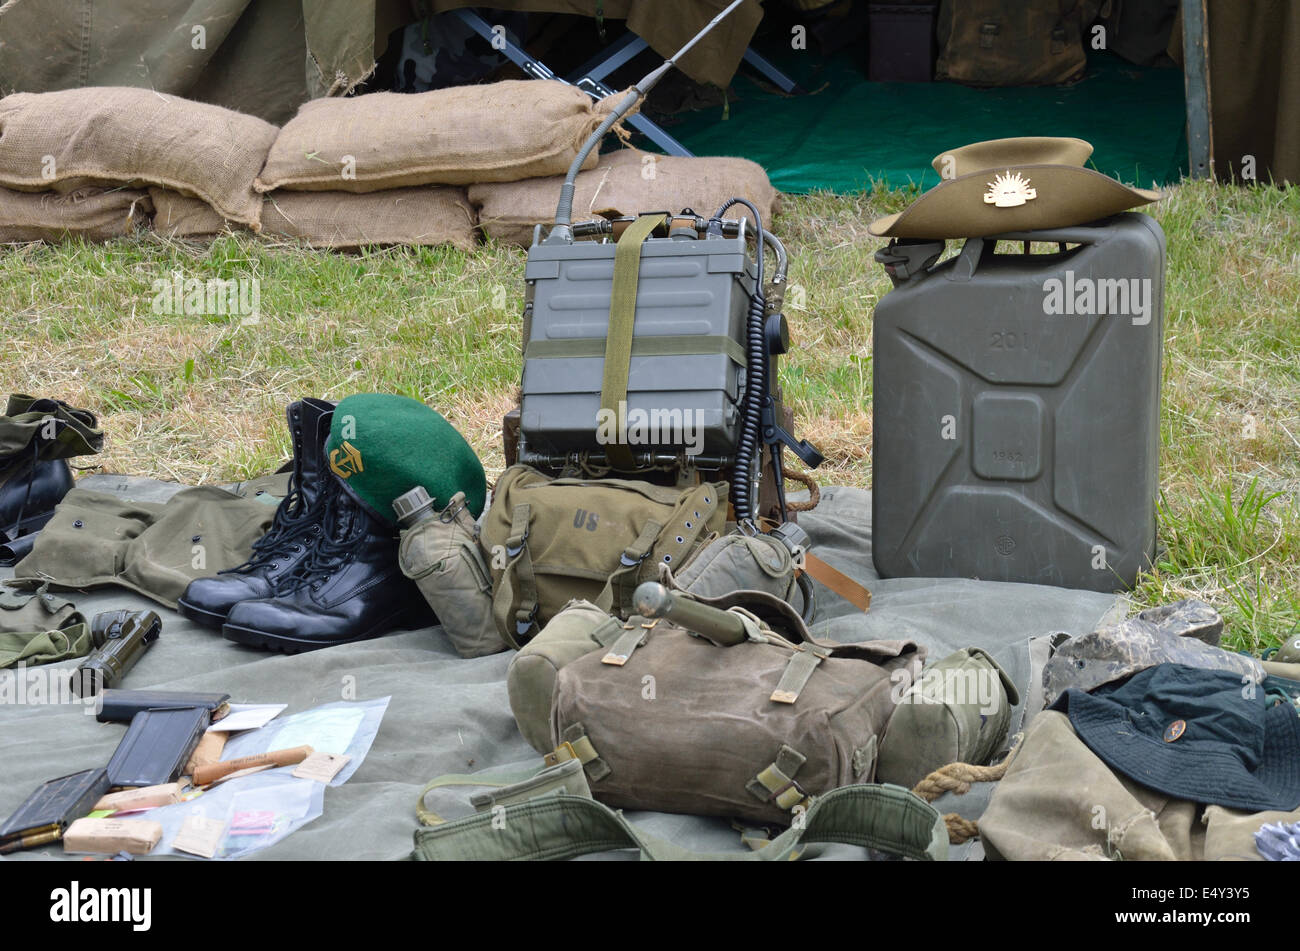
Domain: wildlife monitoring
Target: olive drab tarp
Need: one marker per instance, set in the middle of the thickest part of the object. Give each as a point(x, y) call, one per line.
point(452, 714)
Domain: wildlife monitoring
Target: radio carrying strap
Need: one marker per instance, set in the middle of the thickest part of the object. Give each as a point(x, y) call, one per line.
point(618, 340)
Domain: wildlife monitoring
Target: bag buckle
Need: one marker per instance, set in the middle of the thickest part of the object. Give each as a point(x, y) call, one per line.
point(628, 562)
point(561, 754)
point(513, 550)
point(523, 626)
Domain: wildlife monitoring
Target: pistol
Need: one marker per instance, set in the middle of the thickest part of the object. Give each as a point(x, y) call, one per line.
point(120, 637)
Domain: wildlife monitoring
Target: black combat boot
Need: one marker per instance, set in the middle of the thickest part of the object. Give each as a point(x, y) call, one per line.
point(293, 532)
point(349, 588)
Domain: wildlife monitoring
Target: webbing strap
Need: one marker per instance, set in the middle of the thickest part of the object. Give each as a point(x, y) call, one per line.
point(637, 630)
point(884, 817)
point(575, 744)
point(622, 318)
point(688, 345)
point(616, 596)
point(795, 677)
point(515, 613)
point(428, 817)
point(776, 784)
point(513, 786)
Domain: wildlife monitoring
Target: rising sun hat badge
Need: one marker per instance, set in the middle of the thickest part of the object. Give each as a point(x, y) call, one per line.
point(1009, 191)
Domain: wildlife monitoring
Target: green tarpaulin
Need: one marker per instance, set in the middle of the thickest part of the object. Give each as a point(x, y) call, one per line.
point(848, 132)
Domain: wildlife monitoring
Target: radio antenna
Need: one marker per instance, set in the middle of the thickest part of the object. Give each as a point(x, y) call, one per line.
point(563, 231)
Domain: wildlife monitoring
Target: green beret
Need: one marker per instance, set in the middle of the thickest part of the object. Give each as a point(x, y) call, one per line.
point(382, 446)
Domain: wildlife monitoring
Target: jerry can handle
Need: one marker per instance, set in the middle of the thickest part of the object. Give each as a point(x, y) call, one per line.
point(1053, 235)
point(972, 251)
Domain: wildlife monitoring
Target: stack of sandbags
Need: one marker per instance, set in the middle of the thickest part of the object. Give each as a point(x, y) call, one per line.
point(84, 157)
point(391, 168)
point(625, 182)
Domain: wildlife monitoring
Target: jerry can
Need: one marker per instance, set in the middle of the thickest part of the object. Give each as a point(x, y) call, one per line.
point(1017, 406)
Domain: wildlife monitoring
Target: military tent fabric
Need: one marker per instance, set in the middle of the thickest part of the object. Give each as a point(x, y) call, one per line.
point(665, 25)
point(267, 57)
point(261, 57)
point(1254, 48)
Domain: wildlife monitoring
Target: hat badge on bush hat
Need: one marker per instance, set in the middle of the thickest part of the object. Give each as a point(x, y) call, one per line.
point(1009, 185)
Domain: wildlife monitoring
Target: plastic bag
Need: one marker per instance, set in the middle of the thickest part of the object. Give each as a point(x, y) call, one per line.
point(346, 727)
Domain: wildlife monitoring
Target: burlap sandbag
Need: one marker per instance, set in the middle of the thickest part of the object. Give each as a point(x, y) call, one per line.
point(625, 182)
point(424, 216)
point(498, 132)
point(118, 135)
point(180, 216)
point(94, 214)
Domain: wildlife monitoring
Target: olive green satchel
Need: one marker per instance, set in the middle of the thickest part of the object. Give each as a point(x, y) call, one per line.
point(549, 541)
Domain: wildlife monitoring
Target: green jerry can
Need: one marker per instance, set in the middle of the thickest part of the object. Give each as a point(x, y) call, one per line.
point(1017, 406)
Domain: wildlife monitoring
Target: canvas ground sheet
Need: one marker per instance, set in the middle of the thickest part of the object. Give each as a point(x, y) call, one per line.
point(452, 715)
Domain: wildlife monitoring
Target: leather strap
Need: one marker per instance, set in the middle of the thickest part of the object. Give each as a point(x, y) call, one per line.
point(618, 339)
point(837, 581)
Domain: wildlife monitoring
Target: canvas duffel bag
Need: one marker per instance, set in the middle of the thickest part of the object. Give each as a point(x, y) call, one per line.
point(497, 132)
point(670, 721)
point(549, 541)
point(1030, 43)
point(118, 135)
point(625, 182)
point(722, 567)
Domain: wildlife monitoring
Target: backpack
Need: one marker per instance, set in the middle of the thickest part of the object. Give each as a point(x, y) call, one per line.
point(1027, 43)
point(669, 721)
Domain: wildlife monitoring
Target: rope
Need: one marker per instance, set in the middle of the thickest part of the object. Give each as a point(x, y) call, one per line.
point(959, 829)
point(957, 778)
point(814, 491)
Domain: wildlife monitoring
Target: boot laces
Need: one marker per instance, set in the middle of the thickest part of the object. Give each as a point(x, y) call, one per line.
point(285, 531)
point(342, 528)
